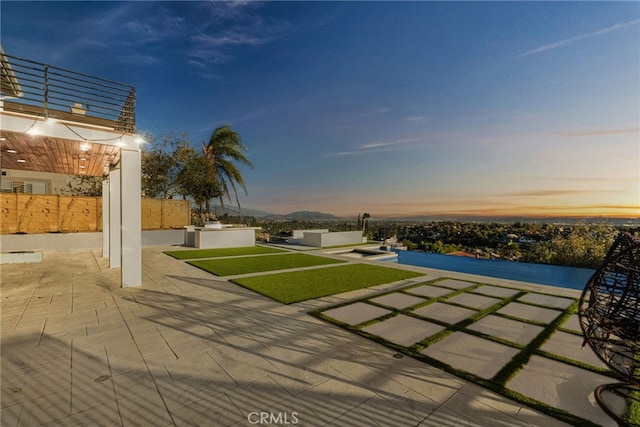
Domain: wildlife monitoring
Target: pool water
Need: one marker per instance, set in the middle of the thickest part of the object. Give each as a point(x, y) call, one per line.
point(554, 275)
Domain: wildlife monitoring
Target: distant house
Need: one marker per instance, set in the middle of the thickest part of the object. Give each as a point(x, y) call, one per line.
point(526, 240)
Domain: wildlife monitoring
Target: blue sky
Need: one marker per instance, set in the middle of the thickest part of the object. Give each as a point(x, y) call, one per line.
point(391, 108)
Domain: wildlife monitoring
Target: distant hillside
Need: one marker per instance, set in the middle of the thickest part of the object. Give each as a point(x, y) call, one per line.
point(321, 216)
point(309, 215)
point(294, 216)
point(233, 211)
point(511, 219)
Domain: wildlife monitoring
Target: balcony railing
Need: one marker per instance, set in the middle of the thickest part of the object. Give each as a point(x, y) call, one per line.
point(42, 90)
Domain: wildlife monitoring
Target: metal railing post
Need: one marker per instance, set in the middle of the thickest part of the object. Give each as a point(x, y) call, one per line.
point(46, 91)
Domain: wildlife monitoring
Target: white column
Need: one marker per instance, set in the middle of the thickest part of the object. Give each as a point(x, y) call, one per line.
point(114, 219)
point(131, 217)
point(105, 218)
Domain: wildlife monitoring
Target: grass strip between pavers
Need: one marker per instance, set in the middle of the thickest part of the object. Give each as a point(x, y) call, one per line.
point(222, 252)
point(497, 383)
point(257, 264)
point(303, 285)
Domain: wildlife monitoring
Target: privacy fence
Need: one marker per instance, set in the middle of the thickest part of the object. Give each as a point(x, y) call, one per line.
point(34, 213)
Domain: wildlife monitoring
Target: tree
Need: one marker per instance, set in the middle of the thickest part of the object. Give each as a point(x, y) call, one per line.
point(223, 151)
point(197, 179)
point(584, 247)
point(511, 251)
point(82, 185)
point(162, 160)
point(365, 221)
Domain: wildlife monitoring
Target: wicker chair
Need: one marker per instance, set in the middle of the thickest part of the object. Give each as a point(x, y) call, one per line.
point(610, 318)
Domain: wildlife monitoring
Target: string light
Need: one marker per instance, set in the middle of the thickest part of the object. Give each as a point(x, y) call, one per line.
point(33, 130)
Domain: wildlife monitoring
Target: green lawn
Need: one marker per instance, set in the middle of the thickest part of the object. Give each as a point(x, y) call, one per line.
point(224, 252)
point(299, 286)
point(254, 264)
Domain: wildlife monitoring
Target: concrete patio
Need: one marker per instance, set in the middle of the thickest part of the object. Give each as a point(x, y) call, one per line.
point(192, 349)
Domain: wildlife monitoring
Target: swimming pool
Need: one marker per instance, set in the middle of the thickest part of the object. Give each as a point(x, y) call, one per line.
point(554, 275)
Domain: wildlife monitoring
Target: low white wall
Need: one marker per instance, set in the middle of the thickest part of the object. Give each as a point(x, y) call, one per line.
point(225, 237)
point(49, 241)
point(162, 237)
point(322, 240)
point(312, 238)
point(65, 241)
point(299, 234)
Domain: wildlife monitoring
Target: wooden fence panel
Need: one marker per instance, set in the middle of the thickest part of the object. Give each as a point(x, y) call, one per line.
point(9, 218)
point(175, 213)
point(37, 213)
point(151, 214)
point(78, 214)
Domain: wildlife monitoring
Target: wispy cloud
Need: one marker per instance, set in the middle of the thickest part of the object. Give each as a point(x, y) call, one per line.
point(140, 59)
point(391, 143)
point(603, 132)
point(377, 147)
point(417, 119)
point(544, 193)
point(229, 26)
point(228, 38)
point(375, 111)
point(564, 42)
point(153, 29)
point(364, 150)
point(127, 28)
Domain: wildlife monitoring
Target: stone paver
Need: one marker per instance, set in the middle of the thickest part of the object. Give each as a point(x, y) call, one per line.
point(476, 406)
point(496, 291)
point(569, 345)
point(511, 330)
point(453, 284)
point(572, 323)
point(430, 291)
point(547, 300)
point(354, 314)
point(478, 356)
point(564, 386)
point(473, 300)
point(398, 300)
point(521, 413)
point(404, 330)
point(445, 312)
point(529, 312)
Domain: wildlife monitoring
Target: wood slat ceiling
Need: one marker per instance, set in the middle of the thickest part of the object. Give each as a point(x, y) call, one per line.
point(55, 155)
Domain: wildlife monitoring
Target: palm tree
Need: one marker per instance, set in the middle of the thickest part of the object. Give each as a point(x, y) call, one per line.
point(223, 151)
point(365, 221)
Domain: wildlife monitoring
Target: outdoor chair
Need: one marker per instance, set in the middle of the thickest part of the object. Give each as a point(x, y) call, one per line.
point(610, 319)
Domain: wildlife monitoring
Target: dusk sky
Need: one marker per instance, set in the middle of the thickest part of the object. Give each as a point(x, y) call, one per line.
point(391, 108)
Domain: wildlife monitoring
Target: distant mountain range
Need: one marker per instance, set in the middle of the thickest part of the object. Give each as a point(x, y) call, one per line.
point(294, 216)
point(321, 216)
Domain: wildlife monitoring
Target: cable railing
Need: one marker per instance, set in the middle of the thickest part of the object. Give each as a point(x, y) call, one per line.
point(33, 88)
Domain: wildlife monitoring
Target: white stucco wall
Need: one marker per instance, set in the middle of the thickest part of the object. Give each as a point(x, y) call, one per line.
point(323, 240)
point(299, 234)
point(64, 241)
point(225, 237)
point(55, 181)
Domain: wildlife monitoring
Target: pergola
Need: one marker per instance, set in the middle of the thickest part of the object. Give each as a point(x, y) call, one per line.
point(60, 121)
